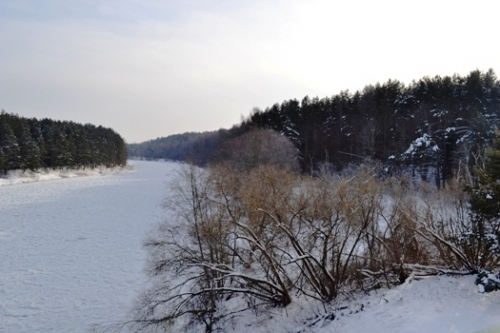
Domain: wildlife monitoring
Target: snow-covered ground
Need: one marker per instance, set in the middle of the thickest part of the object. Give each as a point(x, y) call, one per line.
point(19, 177)
point(440, 304)
point(71, 251)
point(71, 257)
point(436, 304)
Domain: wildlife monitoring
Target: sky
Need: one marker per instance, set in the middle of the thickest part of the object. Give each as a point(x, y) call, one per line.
point(152, 68)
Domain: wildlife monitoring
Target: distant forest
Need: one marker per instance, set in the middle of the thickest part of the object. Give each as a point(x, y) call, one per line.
point(198, 148)
point(33, 144)
point(436, 126)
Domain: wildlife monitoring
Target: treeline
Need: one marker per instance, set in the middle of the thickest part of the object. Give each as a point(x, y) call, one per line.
point(434, 126)
point(33, 144)
point(177, 147)
point(195, 147)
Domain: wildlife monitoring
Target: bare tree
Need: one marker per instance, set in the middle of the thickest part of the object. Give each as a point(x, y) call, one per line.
point(239, 240)
point(260, 147)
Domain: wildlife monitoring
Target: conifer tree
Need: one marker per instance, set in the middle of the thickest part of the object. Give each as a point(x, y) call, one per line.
point(12, 153)
point(483, 238)
point(29, 151)
point(2, 161)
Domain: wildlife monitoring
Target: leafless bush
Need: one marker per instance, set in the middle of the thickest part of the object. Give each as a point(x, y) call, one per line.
point(248, 239)
point(343, 213)
point(209, 252)
point(444, 219)
point(183, 289)
point(260, 147)
point(402, 244)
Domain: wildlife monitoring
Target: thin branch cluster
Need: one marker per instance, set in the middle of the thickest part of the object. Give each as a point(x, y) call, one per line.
point(246, 240)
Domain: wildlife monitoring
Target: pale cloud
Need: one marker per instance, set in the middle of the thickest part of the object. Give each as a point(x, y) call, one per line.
point(154, 68)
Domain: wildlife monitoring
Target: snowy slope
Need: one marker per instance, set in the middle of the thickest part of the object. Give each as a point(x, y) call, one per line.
point(435, 304)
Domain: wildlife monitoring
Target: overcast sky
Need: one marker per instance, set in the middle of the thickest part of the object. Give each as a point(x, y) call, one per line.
point(151, 68)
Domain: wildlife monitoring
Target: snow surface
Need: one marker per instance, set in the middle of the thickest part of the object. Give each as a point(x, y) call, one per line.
point(441, 304)
point(71, 249)
point(435, 304)
point(18, 176)
point(72, 257)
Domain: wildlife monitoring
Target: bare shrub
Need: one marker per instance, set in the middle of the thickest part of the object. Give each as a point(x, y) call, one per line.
point(341, 214)
point(430, 224)
point(211, 250)
point(260, 147)
point(183, 289)
point(446, 220)
point(249, 239)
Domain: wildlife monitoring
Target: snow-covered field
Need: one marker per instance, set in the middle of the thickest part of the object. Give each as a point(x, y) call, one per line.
point(71, 257)
point(440, 304)
point(71, 249)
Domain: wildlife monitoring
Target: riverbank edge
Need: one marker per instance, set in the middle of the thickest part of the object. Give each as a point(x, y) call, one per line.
point(14, 177)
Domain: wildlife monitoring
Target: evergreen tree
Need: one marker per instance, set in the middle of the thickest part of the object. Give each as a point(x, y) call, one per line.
point(483, 239)
point(29, 151)
point(31, 144)
point(2, 161)
point(12, 153)
point(83, 153)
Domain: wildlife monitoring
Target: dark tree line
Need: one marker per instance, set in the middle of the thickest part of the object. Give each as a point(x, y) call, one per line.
point(177, 147)
point(198, 148)
point(33, 144)
point(434, 127)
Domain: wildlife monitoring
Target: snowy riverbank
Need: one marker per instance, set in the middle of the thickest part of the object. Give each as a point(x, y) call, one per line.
point(72, 261)
point(441, 304)
point(28, 176)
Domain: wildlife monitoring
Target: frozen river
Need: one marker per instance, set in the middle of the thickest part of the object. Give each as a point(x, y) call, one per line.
point(71, 251)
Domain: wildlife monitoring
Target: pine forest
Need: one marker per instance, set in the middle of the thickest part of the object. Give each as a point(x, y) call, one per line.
point(30, 144)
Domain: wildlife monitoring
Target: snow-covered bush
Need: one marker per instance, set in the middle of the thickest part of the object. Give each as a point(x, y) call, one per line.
point(464, 227)
point(483, 236)
point(488, 282)
point(246, 240)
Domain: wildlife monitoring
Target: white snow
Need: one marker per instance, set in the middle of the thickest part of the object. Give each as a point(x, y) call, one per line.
point(28, 176)
point(71, 249)
point(421, 144)
point(72, 257)
point(436, 304)
point(441, 304)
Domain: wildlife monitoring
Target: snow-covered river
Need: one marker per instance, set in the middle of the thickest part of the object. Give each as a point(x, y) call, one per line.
point(71, 251)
